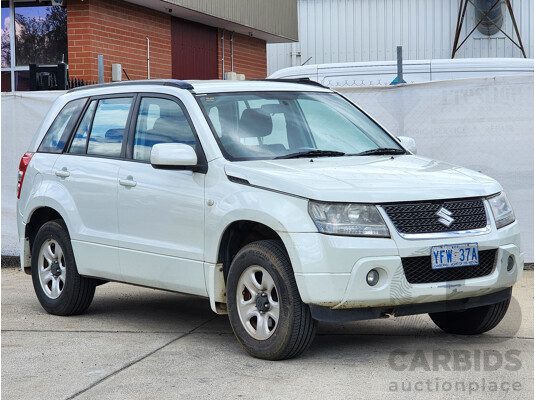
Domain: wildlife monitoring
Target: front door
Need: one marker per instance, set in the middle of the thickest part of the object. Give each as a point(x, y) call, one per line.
point(161, 211)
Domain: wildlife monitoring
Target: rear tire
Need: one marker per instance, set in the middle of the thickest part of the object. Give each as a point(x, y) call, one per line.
point(57, 284)
point(265, 310)
point(472, 321)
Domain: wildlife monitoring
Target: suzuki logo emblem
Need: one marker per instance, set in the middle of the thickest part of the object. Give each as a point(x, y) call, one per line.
point(445, 217)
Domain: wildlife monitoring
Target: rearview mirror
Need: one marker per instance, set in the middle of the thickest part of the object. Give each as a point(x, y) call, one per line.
point(408, 143)
point(173, 156)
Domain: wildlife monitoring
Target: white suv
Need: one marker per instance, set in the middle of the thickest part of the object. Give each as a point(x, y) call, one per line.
point(282, 202)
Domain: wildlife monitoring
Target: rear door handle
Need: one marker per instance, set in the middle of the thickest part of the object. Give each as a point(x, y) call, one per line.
point(128, 182)
point(63, 173)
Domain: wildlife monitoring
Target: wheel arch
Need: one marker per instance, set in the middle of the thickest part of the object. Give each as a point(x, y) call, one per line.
point(38, 218)
point(239, 234)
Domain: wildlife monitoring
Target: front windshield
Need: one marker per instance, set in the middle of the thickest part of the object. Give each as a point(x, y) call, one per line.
point(269, 125)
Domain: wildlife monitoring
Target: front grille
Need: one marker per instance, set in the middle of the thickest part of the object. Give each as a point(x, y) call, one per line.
point(418, 269)
point(414, 218)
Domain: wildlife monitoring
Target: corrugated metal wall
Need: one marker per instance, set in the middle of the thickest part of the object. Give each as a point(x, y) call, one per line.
point(274, 16)
point(370, 30)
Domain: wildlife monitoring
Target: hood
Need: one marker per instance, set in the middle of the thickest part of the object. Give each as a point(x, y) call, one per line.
point(372, 179)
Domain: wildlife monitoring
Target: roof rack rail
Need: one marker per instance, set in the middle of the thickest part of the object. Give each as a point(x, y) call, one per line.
point(304, 81)
point(164, 82)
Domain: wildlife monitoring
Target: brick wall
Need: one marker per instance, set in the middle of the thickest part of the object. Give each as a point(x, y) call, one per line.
point(117, 30)
point(249, 55)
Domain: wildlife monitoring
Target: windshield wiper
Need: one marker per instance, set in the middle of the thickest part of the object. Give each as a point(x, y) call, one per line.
point(379, 152)
point(312, 153)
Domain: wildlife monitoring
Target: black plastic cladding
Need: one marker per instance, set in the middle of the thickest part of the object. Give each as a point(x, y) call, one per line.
point(421, 217)
point(419, 270)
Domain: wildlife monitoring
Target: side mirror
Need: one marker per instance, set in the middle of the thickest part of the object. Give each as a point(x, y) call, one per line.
point(173, 156)
point(408, 143)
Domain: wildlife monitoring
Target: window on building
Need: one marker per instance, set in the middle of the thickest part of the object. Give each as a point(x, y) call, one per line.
point(6, 81)
point(6, 37)
point(32, 32)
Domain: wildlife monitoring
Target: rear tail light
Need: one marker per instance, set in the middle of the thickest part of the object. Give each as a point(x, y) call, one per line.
point(24, 162)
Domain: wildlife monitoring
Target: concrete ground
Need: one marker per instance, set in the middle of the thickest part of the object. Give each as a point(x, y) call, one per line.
point(137, 343)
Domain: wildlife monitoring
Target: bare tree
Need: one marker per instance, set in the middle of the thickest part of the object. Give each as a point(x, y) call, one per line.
point(6, 48)
point(41, 40)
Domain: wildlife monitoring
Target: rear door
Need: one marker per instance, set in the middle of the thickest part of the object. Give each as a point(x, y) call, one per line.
point(161, 211)
point(87, 179)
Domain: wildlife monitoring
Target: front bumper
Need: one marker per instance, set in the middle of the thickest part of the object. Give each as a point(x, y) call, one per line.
point(358, 314)
point(331, 271)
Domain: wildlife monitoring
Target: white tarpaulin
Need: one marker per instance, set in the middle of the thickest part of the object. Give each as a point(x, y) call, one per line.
point(485, 124)
point(22, 113)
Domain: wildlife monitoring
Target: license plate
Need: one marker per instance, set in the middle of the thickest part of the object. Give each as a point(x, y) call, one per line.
point(454, 255)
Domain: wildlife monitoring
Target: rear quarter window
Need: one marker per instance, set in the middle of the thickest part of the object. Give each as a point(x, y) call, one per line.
point(60, 130)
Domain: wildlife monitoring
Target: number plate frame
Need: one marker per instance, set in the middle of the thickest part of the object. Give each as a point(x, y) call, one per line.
point(454, 255)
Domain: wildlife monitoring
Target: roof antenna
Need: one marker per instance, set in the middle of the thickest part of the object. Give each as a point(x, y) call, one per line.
point(306, 61)
point(127, 77)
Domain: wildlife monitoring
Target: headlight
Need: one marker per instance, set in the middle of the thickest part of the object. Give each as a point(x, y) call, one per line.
point(348, 219)
point(502, 210)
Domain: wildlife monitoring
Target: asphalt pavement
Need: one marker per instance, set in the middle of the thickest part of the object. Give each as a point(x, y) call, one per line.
point(138, 343)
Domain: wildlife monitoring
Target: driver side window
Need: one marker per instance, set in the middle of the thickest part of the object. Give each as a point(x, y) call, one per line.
point(160, 121)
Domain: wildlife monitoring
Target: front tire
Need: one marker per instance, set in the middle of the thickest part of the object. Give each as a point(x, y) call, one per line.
point(472, 321)
point(265, 310)
point(57, 284)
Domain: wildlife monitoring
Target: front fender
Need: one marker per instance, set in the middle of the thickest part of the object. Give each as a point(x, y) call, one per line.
point(282, 213)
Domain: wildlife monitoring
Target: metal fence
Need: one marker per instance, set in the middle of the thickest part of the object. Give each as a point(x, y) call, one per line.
point(76, 82)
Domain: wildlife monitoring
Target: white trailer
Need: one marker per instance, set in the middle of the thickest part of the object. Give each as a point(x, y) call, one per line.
point(380, 73)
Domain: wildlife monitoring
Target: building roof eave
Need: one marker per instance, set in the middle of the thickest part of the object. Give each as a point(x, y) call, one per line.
point(245, 27)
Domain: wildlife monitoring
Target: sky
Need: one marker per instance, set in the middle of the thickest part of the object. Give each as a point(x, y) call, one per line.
point(5, 17)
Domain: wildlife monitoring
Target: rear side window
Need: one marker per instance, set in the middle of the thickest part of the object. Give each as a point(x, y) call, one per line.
point(160, 121)
point(60, 130)
point(109, 123)
point(102, 127)
point(79, 142)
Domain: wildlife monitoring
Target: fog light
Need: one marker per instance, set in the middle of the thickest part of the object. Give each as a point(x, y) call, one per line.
point(372, 278)
point(510, 263)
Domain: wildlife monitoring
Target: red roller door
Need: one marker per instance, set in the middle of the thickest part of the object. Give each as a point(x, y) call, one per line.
point(193, 50)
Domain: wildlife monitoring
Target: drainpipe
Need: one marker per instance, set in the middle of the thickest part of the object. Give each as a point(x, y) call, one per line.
point(232, 51)
point(223, 54)
point(148, 57)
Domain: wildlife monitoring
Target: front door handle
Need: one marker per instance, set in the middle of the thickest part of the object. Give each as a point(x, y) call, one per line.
point(128, 182)
point(63, 173)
